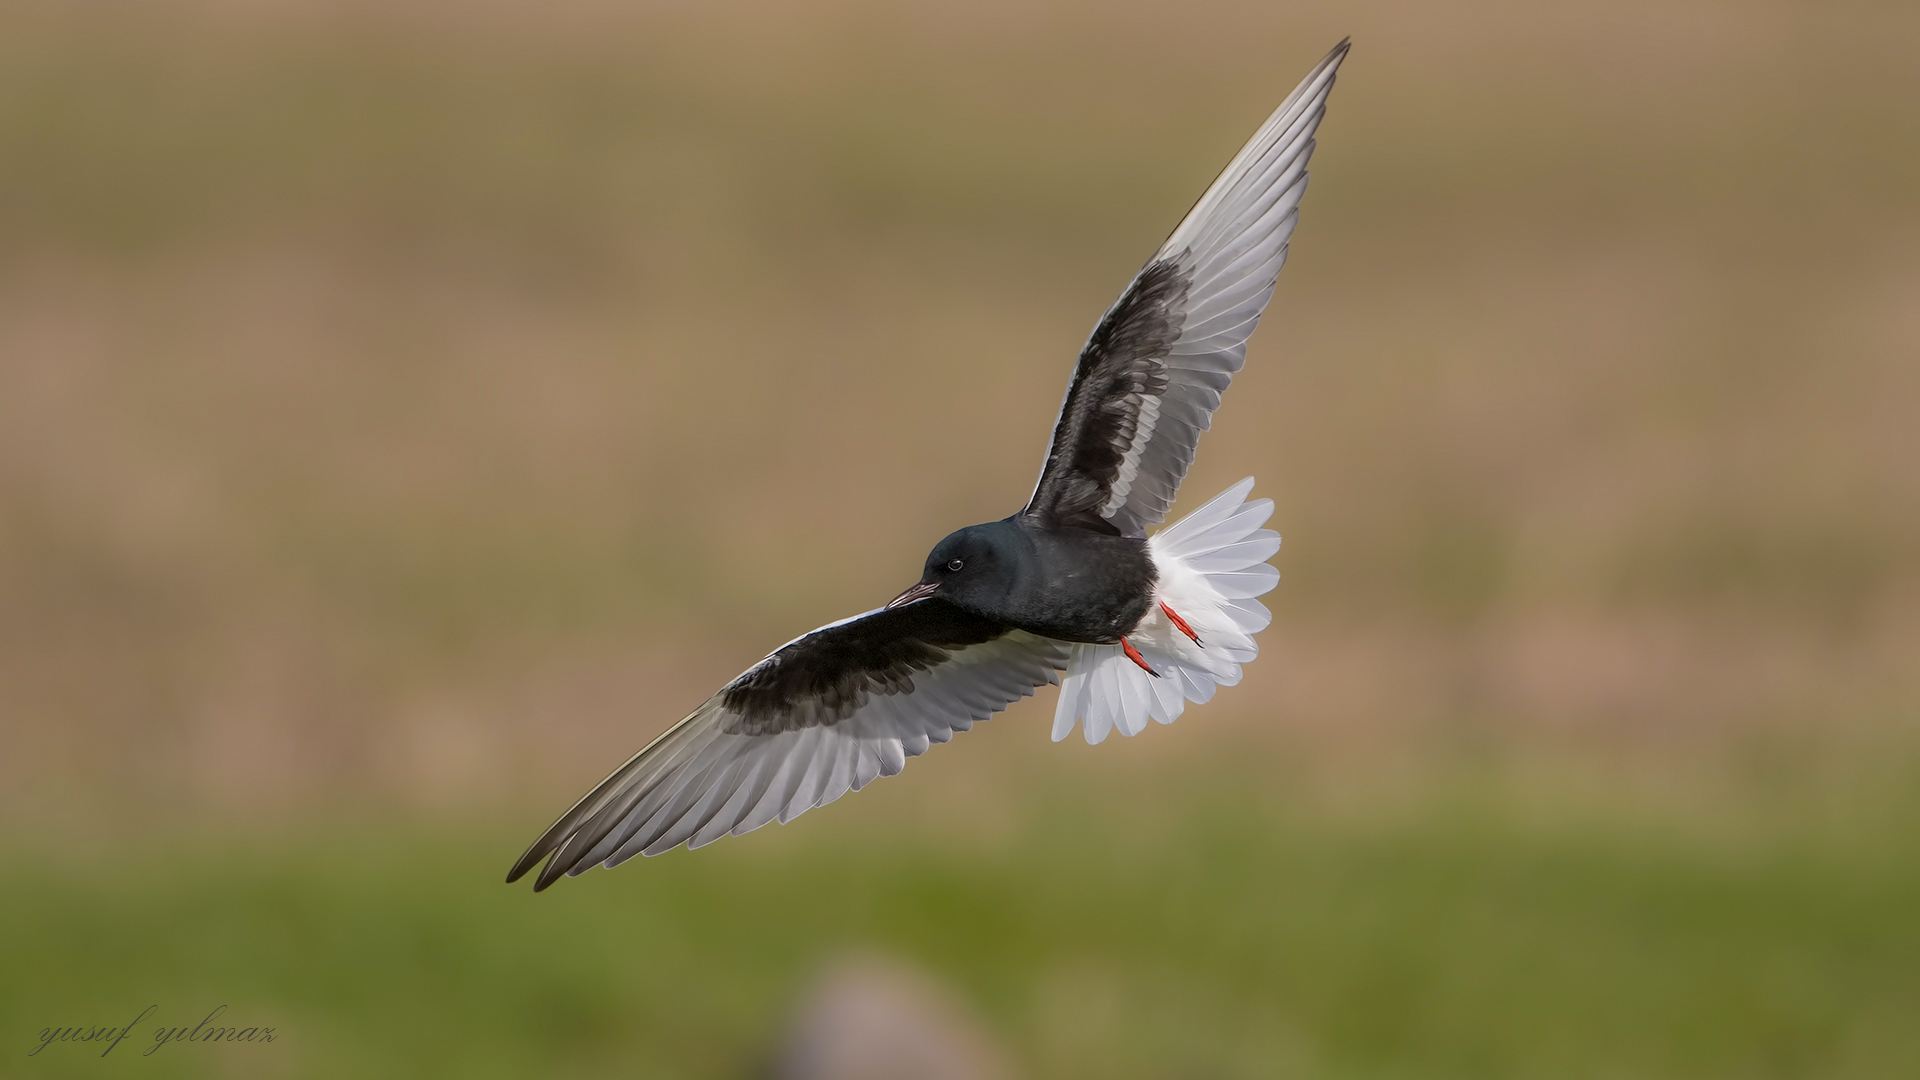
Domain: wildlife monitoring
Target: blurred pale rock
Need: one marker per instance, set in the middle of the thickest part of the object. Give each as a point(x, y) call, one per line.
point(873, 1019)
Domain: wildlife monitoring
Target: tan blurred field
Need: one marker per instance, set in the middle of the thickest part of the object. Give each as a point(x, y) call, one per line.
point(429, 401)
point(407, 409)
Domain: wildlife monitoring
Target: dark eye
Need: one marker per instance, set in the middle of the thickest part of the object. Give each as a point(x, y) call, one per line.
point(955, 564)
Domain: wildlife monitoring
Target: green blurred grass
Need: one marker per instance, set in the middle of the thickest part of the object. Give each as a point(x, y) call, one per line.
point(1195, 926)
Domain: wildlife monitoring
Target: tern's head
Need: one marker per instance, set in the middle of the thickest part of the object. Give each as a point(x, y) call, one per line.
point(972, 567)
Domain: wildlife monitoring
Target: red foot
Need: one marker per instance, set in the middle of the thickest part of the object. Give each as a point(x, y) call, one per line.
point(1182, 624)
point(1133, 654)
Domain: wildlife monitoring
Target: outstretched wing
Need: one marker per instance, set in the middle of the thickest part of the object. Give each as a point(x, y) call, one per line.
point(1151, 375)
point(821, 716)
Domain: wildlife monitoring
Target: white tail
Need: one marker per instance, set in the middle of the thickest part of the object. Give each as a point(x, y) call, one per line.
point(1211, 563)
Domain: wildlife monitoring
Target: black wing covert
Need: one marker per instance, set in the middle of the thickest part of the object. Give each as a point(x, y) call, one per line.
point(823, 715)
point(1151, 375)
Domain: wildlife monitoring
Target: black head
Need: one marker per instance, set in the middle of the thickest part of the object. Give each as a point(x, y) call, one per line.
point(973, 567)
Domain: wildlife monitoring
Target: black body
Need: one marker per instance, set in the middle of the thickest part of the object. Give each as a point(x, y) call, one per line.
point(1058, 581)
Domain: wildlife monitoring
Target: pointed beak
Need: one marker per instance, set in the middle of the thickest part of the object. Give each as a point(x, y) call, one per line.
point(917, 592)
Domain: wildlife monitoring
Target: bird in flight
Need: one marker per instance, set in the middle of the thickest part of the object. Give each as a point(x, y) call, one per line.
point(1140, 624)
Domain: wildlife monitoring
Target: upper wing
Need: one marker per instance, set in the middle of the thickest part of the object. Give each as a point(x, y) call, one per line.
point(1151, 375)
point(824, 714)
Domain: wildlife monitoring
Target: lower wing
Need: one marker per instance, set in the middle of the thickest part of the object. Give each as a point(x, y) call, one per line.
point(823, 715)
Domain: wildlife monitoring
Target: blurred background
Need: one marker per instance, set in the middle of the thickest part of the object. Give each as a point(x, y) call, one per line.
point(407, 409)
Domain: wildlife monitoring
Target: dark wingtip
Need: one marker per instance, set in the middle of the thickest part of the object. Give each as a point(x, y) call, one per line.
point(531, 859)
point(527, 861)
point(550, 873)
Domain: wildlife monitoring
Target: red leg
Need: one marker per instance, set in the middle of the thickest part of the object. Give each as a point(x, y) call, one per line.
point(1181, 623)
point(1133, 654)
